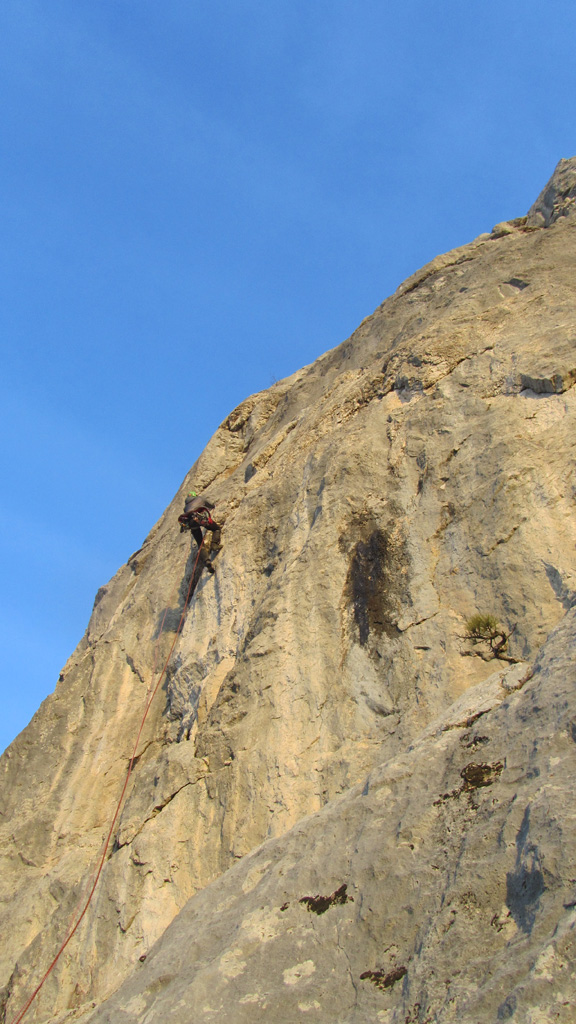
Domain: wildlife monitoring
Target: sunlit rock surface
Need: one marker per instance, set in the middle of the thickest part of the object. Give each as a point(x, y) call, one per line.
point(420, 472)
point(440, 889)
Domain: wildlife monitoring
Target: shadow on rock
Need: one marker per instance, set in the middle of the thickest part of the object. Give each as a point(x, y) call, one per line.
point(525, 885)
point(169, 619)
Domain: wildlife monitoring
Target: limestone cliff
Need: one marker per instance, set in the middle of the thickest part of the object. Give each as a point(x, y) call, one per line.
point(440, 889)
point(420, 472)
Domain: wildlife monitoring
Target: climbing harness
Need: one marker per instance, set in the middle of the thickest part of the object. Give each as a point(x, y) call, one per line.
point(199, 517)
point(76, 924)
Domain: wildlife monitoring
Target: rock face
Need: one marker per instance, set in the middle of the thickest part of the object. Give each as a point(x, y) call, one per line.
point(420, 472)
point(441, 889)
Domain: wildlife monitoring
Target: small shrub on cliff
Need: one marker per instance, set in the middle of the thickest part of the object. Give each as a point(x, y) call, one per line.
point(482, 626)
point(485, 629)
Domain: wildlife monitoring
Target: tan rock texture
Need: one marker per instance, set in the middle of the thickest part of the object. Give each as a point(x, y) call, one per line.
point(441, 889)
point(422, 471)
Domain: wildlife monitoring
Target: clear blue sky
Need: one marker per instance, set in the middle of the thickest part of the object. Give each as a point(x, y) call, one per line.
point(199, 198)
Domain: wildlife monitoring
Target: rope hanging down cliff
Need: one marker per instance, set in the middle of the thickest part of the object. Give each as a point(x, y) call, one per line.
point(78, 919)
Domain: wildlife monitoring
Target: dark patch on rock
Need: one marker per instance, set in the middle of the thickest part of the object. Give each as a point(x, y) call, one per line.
point(284, 906)
point(507, 1008)
point(406, 384)
point(249, 472)
point(320, 904)
point(376, 583)
point(383, 979)
point(525, 884)
point(517, 282)
point(550, 384)
point(477, 775)
point(524, 887)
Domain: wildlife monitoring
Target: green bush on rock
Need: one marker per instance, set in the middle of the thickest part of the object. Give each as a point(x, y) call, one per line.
point(486, 629)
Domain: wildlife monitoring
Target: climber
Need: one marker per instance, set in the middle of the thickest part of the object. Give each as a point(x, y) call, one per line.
point(197, 516)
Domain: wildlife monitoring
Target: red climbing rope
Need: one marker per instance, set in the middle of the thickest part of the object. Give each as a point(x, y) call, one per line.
point(73, 928)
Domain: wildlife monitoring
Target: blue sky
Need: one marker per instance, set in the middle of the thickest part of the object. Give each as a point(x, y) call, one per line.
point(198, 199)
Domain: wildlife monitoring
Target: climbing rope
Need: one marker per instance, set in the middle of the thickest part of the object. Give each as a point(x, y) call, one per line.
point(74, 927)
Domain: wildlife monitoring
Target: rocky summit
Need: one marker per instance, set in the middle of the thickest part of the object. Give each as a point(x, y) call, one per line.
point(345, 805)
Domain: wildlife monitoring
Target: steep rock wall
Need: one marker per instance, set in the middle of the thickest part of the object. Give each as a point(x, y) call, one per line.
point(421, 471)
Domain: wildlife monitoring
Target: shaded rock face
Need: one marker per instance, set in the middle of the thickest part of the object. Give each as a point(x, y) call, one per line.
point(420, 472)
